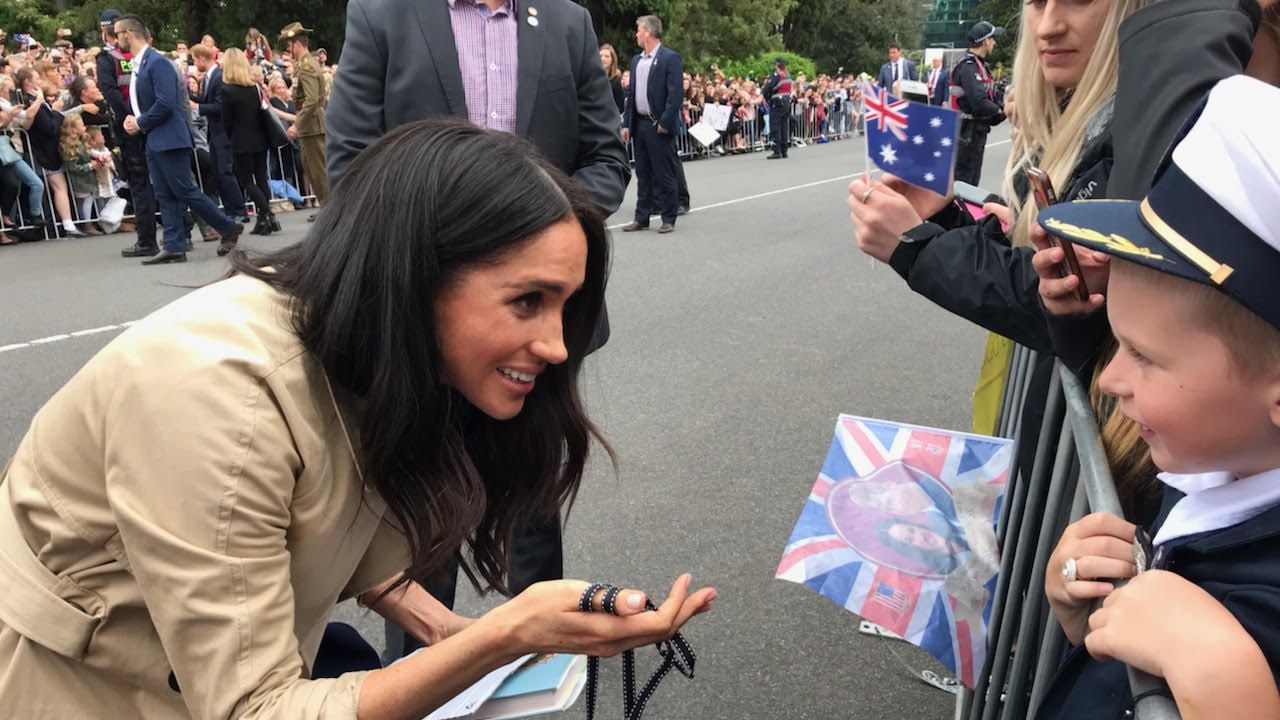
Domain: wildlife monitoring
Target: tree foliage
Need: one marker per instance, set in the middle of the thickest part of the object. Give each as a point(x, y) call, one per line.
point(833, 33)
point(226, 20)
point(852, 34)
point(700, 30)
point(760, 66)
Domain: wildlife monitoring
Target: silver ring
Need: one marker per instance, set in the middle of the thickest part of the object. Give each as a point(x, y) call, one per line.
point(867, 194)
point(1069, 570)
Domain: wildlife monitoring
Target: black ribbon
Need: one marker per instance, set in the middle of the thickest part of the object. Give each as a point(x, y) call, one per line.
point(675, 653)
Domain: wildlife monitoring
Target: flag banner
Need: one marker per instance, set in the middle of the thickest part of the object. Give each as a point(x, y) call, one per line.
point(913, 141)
point(900, 529)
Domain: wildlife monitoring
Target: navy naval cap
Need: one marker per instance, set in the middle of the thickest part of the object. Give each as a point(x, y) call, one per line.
point(1213, 214)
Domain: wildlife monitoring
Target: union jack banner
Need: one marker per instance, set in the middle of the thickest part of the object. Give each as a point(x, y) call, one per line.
point(900, 529)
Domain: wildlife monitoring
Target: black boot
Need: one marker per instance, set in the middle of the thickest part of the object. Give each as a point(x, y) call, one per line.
point(262, 226)
point(275, 224)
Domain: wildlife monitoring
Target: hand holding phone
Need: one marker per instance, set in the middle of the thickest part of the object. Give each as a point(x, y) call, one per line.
point(1042, 190)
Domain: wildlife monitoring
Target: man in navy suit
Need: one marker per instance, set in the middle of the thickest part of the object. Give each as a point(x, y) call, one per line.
point(898, 68)
point(939, 83)
point(209, 104)
point(653, 105)
point(157, 101)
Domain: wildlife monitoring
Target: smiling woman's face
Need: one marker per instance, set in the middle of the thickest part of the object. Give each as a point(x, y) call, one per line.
point(499, 325)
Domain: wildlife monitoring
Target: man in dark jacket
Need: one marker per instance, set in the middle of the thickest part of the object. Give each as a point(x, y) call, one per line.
point(209, 104)
point(653, 107)
point(115, 77)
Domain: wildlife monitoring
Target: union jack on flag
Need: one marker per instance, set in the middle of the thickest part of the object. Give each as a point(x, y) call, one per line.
point(913, 141)
point(900, 529)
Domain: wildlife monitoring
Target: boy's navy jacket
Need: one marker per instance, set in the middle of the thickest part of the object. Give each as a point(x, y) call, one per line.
point(1239, 566)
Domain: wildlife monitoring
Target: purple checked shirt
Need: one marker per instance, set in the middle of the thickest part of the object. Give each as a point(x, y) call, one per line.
point(488, 59)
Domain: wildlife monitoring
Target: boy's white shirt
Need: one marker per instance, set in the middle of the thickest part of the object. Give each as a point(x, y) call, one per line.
point(1215, 501)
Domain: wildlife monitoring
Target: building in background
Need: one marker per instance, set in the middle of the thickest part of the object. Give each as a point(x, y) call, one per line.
point(948, 22)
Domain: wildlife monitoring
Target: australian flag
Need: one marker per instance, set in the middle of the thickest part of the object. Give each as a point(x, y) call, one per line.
point(900, 529)
point(912, 141)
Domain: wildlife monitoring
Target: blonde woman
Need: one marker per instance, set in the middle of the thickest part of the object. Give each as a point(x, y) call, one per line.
point(1065, 76)
point(242, 116)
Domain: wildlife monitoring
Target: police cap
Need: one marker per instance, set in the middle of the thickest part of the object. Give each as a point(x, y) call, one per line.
point(982, 30)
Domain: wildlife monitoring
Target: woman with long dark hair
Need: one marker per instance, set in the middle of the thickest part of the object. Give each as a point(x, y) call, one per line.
point(189, 507)
point(242, 116)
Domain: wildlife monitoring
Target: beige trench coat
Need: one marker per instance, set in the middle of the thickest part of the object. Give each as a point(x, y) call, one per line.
point(187, 503)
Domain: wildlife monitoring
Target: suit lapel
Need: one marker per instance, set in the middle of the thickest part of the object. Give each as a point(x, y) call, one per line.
point(531, 40)
point(437, 30)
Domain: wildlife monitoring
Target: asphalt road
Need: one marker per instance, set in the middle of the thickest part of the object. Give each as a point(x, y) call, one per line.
point(736, 342)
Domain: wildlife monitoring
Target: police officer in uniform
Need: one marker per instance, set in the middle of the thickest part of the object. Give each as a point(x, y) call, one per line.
point(777, 91)
point(309, 97)
point(973, 95)
point(115, 78)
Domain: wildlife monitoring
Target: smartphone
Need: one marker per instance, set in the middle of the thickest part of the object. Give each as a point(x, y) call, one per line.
point(1042, 189)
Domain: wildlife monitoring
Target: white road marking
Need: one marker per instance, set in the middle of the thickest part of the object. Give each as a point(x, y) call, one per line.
point(712, 206)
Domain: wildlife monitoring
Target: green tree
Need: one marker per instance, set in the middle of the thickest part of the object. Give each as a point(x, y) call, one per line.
point(852, 34)
point(700, 30)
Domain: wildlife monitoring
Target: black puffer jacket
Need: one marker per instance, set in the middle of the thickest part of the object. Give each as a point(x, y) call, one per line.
point(970, 269)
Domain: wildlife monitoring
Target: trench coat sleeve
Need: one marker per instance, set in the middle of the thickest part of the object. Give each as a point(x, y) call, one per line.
point(1162, 82)
point(201, 469)
point(969, 272)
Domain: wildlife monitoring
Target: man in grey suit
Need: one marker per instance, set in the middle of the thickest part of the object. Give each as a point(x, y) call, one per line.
point(406, 61)
point(531, 67)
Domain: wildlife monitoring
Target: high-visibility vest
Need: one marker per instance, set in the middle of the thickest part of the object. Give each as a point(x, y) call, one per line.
point(124, 70)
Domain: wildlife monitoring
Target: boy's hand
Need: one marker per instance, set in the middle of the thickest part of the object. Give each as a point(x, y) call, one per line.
point(1161, 623)
point(1102, 547)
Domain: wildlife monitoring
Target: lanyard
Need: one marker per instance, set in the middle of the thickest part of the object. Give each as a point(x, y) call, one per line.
point(675, 653)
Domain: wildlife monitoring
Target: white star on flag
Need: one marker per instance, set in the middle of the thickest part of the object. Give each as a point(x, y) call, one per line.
point(946, 142)
point(888, 154)
point(936, 122)
point(919, 139)
point(928, 177)
point(937, 153)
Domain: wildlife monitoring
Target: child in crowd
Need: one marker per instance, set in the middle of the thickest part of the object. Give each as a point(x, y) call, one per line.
point(1192, 301)
point(89, 166)
point(104, 163)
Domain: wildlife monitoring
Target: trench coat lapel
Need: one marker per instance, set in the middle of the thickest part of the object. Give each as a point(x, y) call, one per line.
point(437, 30)
point(531, 40)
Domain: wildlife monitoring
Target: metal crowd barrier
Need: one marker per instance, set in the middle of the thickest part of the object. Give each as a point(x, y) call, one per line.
point(290, 172)
point(1068, 479)
point(753, 133)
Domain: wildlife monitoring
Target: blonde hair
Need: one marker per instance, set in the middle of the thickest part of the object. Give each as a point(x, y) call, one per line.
point(1128, 455)
point(69, 140)
point(1050, 137)
point(235, 68)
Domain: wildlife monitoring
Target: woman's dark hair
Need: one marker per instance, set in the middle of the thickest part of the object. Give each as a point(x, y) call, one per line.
point(413, 212)
point(938, 562)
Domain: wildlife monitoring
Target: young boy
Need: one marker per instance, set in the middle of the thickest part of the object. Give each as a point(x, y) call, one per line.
point(1194, 301)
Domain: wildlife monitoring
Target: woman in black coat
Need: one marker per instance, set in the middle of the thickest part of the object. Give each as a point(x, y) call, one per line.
point(243, 118)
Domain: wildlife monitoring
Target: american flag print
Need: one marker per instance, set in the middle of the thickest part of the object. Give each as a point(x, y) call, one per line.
point(899, 528)
point(913, 141)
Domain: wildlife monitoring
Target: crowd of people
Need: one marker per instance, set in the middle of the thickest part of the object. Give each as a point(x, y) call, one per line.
point(68, 166)
point(396, 398)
